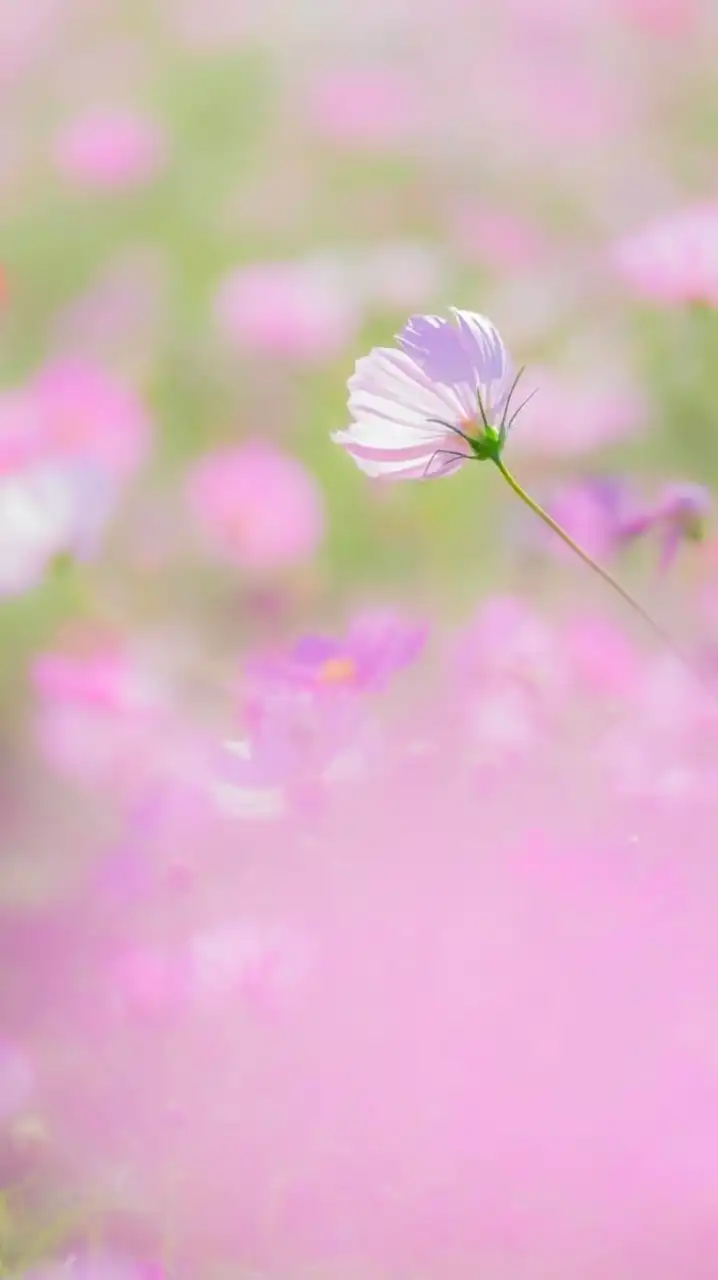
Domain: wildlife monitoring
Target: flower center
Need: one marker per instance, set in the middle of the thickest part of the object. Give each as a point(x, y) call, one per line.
point(337, 671)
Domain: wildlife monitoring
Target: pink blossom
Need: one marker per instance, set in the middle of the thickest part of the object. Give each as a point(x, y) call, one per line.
point(97, 710)
point(286, 310)
point(110, 150)
point(364, 107)
point(496, 240)
point(674, 260)
point(259, 507)
point(83, 411)
point(572, 416)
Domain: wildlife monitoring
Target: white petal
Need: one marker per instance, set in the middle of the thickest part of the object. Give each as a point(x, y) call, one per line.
point(388, 384)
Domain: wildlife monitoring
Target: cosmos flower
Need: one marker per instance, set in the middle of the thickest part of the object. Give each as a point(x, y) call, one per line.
point(378, 643)
point(673, 261)
point(679, 514)
point(294, 311)
point(441, 399)
point(258, 507)
point(110, 150)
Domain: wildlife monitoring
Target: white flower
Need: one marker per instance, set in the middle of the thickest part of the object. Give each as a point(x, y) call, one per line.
point(425, 409)
point(48, 512)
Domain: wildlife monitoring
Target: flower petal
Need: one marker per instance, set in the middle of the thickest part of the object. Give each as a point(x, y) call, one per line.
point(489, 357)
point(469, 354)
point(389, 385)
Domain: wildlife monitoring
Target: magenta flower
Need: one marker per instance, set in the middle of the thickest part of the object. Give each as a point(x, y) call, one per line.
point(424, 410)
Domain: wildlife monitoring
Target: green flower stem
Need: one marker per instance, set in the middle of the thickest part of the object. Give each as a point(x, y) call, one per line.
point(587, 559)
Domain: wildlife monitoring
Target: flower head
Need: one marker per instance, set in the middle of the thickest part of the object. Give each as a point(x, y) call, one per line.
point(439, 400)
point(679, 514)
point(258, 506)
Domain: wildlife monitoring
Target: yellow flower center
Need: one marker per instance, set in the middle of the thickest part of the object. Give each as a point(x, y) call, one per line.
point(337, 671)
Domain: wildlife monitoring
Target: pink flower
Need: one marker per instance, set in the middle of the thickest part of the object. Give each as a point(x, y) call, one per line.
point(590, 510)
point(576, 417)
point(378, 643)
point(363, 107)
point(259, 507)
point(600, 656)
point(110, 150)
point(82, 411)
point(495, 239)
point(287, 310)
point(673, 261)
point(98, 712)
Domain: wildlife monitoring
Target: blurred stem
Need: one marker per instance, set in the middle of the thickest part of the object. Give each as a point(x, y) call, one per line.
point(587, 559)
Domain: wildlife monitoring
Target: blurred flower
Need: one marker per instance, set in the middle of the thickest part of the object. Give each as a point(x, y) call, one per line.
point(17, 1080)
point(573, 416)
point(674, 260)
point(599, 656)
point(363, 107)
point(497, 241)
point(591, 510)
point(110, 150)
point(377, 643)
point(259, 507)
point(286, 310)
point(679, 514)
point(118, 318)
point(49, 513)
point(416, 410)
point(82, 411)
point(506, 641)
point(99, 710)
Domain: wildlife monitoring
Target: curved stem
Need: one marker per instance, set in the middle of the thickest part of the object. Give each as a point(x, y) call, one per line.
point(587, 559)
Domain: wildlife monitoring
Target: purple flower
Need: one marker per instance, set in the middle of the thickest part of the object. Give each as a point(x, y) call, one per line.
point(441, 399)
point(680, 513)
point(377, 643)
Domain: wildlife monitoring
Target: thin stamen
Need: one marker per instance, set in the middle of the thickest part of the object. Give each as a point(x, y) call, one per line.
point(482, 411)
point(514, 385)
point(522, 406)
point(447, 453)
